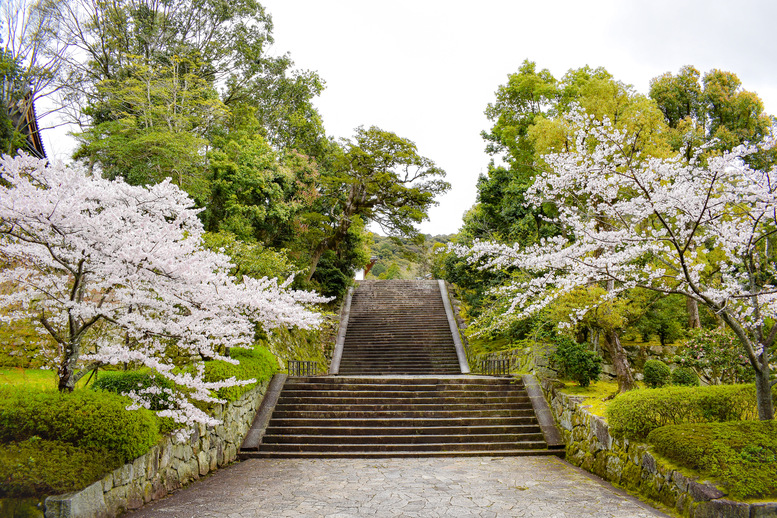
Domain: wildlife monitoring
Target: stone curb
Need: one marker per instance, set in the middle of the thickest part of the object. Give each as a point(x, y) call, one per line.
point(337, 354)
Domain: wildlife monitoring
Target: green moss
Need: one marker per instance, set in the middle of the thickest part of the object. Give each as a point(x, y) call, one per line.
point(39, 467)
point(86, 419)
point(742, 456)
point(257, 363)
point(635, 414)
point(594, 394)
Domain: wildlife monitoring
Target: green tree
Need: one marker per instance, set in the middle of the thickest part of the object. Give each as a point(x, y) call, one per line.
point(377, 176)
point(155, 123)
point(257, 193)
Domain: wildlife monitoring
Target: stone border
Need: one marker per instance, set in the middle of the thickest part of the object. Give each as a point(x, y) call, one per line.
point(165, 467)
point(463, 363)
point(632, 466)
point(542, 411)
point(259, 426)
point(337, 355)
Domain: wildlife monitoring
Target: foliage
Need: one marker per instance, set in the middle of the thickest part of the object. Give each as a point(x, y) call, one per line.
point(742, 456)
point(660, 224)
point(380, 177)
point(84, 418)
point(119, 274)
point(636, 413)
point(123, 382)
point(664, 317)
point(716, 355)
point(576, 361)
point(256, 193)
point(684, 377)
point(714, 106)
point(250, 259)
point(256, 364)
point(656, 373)
point(36, 466)
point(155, 119)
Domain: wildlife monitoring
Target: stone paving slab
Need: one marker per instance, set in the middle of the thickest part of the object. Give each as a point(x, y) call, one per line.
point(525, 487)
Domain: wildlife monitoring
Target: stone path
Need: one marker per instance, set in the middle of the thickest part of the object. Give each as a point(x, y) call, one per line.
point(530, 487)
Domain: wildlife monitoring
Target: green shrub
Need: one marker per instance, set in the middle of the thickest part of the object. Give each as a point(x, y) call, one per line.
point(635, 414)
point(37, 467)
point(576, 362)
point(656, 373)
point(742, 456)
point(120, 382)
point(685, 377)
point(88, 419)
point(257, 363)
point(717, 355)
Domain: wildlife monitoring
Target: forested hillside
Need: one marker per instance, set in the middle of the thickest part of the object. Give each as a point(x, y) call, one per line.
point(401, 258)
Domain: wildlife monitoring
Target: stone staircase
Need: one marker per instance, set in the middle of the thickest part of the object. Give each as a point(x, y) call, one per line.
point(399, 392)
point(398, 327)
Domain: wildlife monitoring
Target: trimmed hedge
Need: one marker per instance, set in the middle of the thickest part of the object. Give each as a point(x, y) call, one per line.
point(742, 456)
point(88, 419)
point(120, 382)
point(257, 363)
point(656, 373)
point(635, 414)
point(38, 467)
point(684, 377)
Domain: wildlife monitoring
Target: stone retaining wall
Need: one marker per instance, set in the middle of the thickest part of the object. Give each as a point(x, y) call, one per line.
point(631, 465)
point(165, 467)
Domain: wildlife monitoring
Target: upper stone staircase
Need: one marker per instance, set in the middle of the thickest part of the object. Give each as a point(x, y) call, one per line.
point(400, 392)
point(398, 327)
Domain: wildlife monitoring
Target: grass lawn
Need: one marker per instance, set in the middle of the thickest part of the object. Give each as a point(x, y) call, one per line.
point(38, 378)
point(594, 394)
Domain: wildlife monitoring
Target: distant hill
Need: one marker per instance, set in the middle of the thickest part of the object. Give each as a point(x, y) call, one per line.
point(399, 258)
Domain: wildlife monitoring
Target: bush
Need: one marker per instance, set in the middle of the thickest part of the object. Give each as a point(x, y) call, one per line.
point(576, 362)
point(742, 456)
point(717, 355)
point(684, 377)
point(257, 363)
point(88, 419)
point(120, 382)
point(39, 467)
point(656, 373)
point(635, 414)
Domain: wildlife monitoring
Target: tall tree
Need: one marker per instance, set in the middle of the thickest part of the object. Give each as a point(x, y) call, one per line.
point(703, 231)
point(380, 177)
point(87, 254)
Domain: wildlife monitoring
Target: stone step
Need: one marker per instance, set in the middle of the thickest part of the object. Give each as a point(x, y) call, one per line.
point(368, 454)
point(376, 437)
point(410, 422)
point(281, 413)
point(492, 429)
point(429, 447)
point(394, 406)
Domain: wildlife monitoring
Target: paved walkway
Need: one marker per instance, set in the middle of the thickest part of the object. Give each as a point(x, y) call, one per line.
point(530, 487)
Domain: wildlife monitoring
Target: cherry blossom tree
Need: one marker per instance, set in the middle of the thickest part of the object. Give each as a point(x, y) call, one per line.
point(701, 228)
point(114, 273)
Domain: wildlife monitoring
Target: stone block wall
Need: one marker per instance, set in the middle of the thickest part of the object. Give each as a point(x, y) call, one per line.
point(167, 466)
point(632, 466)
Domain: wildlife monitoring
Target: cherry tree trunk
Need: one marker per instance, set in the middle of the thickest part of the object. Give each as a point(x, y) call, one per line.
point(67, 368)
point(693, 313)
point(763, 391)
point(620, 361)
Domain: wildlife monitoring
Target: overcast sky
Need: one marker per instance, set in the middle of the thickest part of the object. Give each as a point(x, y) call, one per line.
point(426, 69)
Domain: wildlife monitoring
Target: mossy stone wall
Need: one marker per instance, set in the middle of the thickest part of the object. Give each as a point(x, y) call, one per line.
point(165, 467)
point(632, 466)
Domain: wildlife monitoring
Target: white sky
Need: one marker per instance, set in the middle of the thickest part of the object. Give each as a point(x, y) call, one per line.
point(426, 69)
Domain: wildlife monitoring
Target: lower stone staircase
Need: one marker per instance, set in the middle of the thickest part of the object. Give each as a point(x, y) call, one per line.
point(401, 417)
point(399, 396)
